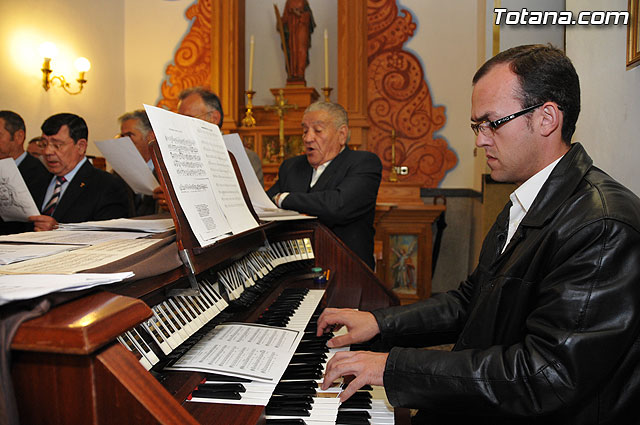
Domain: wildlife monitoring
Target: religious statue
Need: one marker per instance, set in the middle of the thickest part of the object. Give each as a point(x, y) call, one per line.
point(295, 27)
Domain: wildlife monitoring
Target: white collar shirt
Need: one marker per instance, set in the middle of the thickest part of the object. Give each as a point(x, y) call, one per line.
point(522, 198)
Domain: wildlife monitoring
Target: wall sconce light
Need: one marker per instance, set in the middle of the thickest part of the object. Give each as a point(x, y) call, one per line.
point(48, 51)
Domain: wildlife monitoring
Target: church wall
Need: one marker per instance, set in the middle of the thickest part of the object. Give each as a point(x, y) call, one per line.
point(153, 30)
point(79, 28)
point(608, 126)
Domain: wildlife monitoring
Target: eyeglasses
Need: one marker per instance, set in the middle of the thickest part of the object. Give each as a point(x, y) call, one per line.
point(202, 115)
point(486, 125)
point(56, 146)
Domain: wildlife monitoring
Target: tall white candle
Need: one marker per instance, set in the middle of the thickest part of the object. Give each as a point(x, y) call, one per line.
point(326, 58)
point(251, 48)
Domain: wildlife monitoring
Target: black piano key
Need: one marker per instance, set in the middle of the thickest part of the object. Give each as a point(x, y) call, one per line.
point(224, 378)
point(285, 422)
point(226, 395)
point(286, 411)
point(355, 404)
point(222, 387)
point(353, 418)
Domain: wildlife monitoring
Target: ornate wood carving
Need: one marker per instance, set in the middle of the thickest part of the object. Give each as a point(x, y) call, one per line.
point(381, 88)
point(192, 61)
point(399, 98)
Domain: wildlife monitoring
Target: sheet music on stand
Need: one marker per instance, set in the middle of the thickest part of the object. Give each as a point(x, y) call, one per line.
point(262, 204)
point(202, 175)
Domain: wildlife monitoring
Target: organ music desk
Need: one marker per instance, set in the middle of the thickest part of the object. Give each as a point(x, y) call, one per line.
point(68, 366)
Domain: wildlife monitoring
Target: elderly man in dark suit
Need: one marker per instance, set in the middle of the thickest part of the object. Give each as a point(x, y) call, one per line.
point(331, 181)
point(78, 192)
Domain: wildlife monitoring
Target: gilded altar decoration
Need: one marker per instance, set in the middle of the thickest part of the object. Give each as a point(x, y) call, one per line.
point(192, 61)
point(399, 100)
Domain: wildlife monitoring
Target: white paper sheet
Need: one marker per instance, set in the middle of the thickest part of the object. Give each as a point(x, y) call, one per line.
point(201, 174)
point(16, 203)
point(123, 156)
point(71, 237)
point(251, 351)
point(259, 197)
point(12, 253)
point(23, 287)
point(158, 225)
point(80, 259)
point(262, 204)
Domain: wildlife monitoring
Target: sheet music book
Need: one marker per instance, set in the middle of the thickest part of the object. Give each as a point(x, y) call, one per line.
point(80, 259)
point(262, 204)
point(202, 175)
point(244, 350)
point(125, 159)
point(16, 203)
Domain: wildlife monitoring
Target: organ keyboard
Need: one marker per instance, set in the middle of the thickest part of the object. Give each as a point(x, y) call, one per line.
point(100, 358)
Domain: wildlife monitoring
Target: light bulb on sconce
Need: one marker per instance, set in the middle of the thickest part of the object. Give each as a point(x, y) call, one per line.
point(48, 51)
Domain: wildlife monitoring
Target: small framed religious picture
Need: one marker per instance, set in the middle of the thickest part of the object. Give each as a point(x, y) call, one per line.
point(633, 34)
point(404, 264)
point(406, 267)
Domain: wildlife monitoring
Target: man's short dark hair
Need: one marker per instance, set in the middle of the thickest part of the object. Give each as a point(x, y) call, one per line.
point(545, 74)
point(12, 122)
point(77, 126)
point(210, 99)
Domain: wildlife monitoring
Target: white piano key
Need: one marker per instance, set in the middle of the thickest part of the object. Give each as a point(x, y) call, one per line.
point(177, 308)
point(142, 346)
point(175, 338)
point(124, 340)
point(156, 334)
point(175, 320)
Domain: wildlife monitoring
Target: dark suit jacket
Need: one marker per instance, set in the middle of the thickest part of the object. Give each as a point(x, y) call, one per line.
point(35, 175)
point(140, 205)
point(92, 194)
point(37, 178)
point(343, 198)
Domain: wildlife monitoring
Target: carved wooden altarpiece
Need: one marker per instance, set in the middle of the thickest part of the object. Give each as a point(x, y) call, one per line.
point(380, 84)
point(399, 99)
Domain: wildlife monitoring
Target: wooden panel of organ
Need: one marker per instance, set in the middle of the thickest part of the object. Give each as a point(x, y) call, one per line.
point(68, 366)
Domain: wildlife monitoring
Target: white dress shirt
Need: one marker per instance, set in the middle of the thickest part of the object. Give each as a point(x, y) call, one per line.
point(523, 197)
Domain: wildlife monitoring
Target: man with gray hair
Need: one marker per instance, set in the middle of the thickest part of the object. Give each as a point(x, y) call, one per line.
point(201, 103)
point(331, 181)
point(137, 127)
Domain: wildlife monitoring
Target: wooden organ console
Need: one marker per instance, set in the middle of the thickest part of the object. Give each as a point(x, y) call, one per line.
point(78, 363)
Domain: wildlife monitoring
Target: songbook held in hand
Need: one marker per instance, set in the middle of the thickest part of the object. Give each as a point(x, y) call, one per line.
point(125, 159)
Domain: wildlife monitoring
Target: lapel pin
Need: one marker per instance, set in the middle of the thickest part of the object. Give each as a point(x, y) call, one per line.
point(82, 184)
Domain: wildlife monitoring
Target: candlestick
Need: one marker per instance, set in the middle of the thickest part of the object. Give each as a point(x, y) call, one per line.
point(393, 173)
point(249, 120)
point(326, 58)
point(327, 92)
point(251, 48)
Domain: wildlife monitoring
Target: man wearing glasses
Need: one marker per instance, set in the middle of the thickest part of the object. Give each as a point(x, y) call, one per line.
point(78, 191)
point(546, 328)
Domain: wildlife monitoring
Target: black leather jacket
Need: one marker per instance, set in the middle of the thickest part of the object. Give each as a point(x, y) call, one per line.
point(546, 332)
